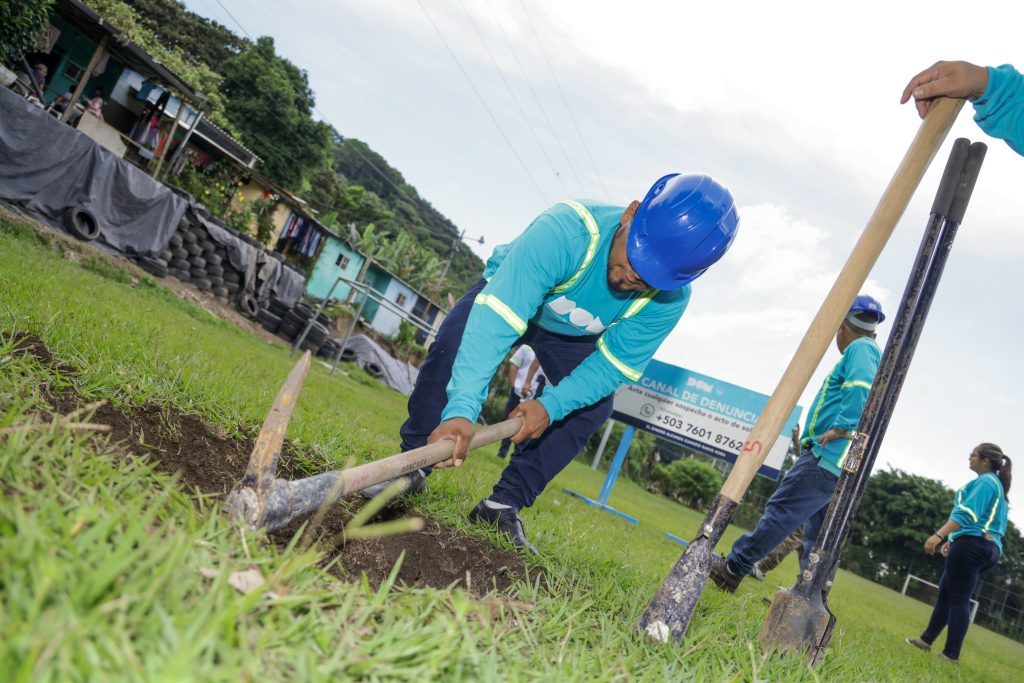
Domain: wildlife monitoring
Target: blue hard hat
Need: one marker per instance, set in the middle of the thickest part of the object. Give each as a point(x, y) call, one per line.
point(866, 304)
point(683, 226)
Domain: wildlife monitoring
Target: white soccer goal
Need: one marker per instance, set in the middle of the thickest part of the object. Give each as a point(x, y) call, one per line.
point(935, 592)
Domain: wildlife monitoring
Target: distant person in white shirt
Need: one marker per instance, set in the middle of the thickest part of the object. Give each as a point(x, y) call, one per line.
point(526, 378)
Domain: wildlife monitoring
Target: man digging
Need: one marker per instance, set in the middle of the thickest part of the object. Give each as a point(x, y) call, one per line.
point(594, 289)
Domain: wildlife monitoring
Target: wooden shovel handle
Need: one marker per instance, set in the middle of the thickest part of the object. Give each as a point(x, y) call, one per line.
point(823, 328)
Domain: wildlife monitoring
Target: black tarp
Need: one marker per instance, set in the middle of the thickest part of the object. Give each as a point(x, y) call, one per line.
point(47, 167)
point(371, 356)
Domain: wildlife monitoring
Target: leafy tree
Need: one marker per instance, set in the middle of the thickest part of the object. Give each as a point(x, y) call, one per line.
point(403, 256)
point(200, 40)
point(363, 207)
point(269, 100)
point(21, 23)
point(358, 164)
point(896, 514)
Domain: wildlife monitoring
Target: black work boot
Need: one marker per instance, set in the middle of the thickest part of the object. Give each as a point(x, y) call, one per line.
point(417, 483)
point(508, 522)
point(722, 575)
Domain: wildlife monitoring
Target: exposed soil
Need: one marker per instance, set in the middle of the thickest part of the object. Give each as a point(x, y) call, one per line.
point(206, 459)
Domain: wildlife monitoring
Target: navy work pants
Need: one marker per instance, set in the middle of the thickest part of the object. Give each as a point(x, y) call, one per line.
point(536, 462)
point(802, 498)
point(969, 557)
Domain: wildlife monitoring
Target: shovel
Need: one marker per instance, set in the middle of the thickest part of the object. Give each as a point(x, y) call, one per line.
point(262, 501)
point(669, 613)
point(799, 619)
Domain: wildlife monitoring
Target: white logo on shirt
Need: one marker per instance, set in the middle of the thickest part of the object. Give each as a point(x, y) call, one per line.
point(579, 317)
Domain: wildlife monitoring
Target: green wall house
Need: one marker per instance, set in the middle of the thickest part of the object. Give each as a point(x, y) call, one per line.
point(337, 259)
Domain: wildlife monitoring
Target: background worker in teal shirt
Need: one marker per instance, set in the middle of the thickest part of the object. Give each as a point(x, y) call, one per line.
point(997, 93)
point(804, 494)
point(974, 541)
point(594, 289)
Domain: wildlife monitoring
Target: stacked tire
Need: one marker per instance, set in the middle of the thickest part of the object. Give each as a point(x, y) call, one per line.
point(182, 247)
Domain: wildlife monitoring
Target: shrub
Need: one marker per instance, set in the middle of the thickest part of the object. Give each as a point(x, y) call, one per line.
point(689, 481)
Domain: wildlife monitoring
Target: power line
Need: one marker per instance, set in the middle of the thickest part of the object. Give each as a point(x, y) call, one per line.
point(382, 174)
point(515, 100)
point(564, 100)
point(484, 103)
point(536, 98)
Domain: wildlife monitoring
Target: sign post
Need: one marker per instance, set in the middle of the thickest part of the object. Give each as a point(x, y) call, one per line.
point(698, 411)
point(609, 480)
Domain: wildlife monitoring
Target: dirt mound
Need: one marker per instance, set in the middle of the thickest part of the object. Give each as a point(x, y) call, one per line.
point(208, 460)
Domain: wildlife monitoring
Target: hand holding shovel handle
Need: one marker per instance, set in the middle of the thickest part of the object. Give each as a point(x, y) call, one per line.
point(669, 613)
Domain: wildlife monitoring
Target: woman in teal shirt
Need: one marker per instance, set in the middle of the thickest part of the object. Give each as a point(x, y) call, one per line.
point(974, 541)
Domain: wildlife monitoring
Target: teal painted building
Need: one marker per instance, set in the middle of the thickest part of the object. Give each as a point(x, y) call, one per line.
point(337, 259)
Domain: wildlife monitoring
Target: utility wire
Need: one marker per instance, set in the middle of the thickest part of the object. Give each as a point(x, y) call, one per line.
point(484, 103)
point(564, 100)
point(515, 100)
point(536, 98)
point(382, 174)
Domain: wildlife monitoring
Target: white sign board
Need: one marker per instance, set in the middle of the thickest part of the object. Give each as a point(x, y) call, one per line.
point(700, 412)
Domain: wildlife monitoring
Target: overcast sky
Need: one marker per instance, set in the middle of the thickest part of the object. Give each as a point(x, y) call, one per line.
point(795, 106)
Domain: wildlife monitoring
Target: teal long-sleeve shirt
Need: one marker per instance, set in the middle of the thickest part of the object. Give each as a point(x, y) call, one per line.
point(1000, 109)
point(554, 276)
point(980, 509)
point(840, 401)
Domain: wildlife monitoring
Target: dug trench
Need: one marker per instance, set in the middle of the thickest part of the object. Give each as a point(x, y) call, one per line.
point(207, 460)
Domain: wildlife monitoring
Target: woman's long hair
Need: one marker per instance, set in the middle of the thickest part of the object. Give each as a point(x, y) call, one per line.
point(1001, 464)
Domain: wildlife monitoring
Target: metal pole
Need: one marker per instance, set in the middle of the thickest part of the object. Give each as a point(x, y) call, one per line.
point(312, 318)
point(600, 446)
point(181, 151)
point(170, 138)
point(86, 75)
point(448, 263)
point(348, 335)
point(613, 470)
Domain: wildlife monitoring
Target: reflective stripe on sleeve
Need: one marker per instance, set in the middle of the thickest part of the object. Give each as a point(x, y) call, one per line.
point(959, 504)
point(638, 305)
point(629, 372)
point(995, 505)
point(501, 308)
point(595, 236)
point(856, 383)
point(817, 409)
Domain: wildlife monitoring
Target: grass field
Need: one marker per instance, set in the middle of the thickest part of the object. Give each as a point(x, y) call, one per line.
point(100, 554)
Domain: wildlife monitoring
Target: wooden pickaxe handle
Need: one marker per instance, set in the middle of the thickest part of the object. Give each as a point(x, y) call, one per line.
point(359, 477)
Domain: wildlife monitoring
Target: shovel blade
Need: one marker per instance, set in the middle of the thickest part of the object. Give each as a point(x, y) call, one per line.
point(798, 621)
point(669, 613)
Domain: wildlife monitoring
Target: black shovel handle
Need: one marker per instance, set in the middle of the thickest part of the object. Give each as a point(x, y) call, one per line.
point(950, 181)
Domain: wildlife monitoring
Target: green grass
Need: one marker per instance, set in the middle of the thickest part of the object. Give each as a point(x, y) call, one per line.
point(99, 555)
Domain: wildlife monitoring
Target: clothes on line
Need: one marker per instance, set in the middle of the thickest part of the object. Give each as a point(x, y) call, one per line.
point(304, 236)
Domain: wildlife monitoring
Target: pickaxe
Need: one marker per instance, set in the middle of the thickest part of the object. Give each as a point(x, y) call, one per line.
point(262, 501)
